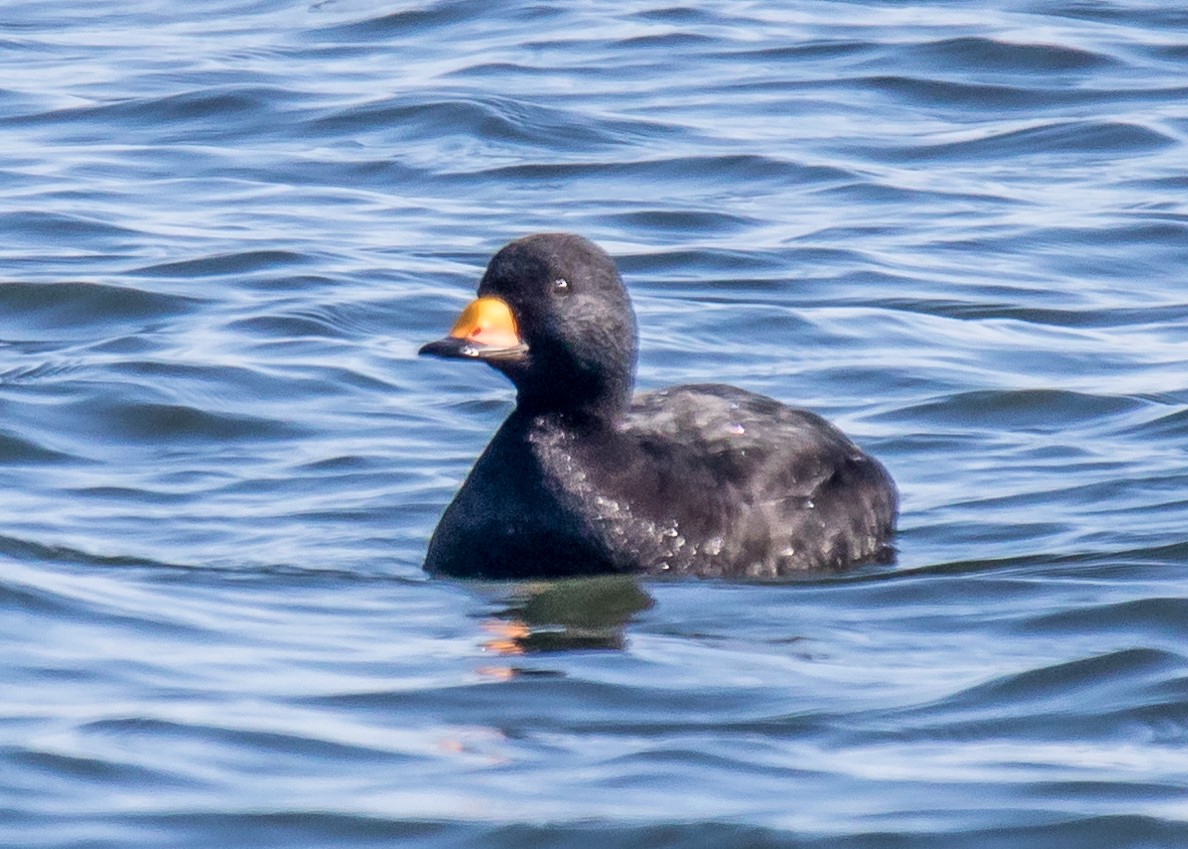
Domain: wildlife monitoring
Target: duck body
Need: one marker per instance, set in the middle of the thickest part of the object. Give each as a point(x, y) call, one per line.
point(583, 479)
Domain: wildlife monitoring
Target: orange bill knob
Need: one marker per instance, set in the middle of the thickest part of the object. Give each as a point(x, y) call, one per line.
point(485, 330)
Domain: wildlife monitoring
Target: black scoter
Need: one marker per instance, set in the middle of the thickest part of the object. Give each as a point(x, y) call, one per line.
point(584, 479)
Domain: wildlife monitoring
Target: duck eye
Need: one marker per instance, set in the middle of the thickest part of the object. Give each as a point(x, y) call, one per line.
point(561, 286)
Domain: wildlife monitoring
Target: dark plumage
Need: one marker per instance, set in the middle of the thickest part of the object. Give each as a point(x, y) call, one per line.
point(581, 479)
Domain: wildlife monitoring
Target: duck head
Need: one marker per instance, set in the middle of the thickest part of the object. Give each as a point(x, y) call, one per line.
point(553, 315)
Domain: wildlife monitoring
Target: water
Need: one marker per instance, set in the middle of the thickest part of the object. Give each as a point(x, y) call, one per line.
point(959, 230)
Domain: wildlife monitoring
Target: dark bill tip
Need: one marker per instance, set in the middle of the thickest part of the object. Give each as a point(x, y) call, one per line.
point(449, 347)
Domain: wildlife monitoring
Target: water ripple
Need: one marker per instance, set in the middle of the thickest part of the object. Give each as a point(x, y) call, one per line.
point(958, 232)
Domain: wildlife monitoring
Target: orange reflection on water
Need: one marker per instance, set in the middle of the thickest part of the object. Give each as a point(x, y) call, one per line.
point(507, 636)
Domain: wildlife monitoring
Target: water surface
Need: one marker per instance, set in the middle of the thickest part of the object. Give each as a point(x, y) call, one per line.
point(958, 230)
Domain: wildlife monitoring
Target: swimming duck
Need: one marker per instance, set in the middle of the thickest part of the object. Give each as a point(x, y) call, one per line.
point(584, 479)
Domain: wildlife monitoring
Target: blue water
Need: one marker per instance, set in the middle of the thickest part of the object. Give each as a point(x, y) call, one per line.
point(960, 230)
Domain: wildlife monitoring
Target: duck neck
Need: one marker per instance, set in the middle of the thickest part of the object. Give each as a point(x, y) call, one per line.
point(576, 404)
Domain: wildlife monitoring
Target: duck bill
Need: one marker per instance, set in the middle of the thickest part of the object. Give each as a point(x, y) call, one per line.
point(486, 330)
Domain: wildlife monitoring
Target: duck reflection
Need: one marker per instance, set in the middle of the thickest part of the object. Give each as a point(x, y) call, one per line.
point(570, 615)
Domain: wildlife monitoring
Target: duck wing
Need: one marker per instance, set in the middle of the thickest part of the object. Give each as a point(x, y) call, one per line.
point(754, 486)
